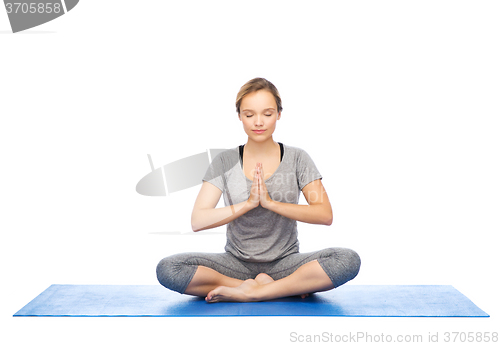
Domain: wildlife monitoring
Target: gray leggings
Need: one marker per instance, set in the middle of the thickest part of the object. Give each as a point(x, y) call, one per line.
point(175, 272)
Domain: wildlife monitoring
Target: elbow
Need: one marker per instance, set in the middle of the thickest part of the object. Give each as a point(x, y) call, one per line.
point(329, 218)
point(194, 225)
point(325, 220)
point(196, 228)
point(328, 222)
point(198, 222)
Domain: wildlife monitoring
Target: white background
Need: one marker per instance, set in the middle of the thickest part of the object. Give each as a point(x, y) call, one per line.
point(397, 103)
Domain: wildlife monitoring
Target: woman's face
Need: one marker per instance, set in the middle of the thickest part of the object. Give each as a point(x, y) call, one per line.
point(258, 111)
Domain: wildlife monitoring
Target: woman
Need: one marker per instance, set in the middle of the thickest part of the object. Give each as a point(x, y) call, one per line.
point(261, 182)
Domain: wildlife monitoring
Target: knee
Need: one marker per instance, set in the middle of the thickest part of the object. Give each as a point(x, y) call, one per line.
point(164, 271)
point(352, 261)
point(349, 258)
point(169, 273)
point(345, 266)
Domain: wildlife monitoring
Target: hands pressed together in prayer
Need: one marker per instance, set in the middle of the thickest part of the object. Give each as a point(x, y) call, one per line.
point(258, 191)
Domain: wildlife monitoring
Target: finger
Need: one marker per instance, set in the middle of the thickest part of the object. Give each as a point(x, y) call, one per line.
point(258, 179)
point(260, 185)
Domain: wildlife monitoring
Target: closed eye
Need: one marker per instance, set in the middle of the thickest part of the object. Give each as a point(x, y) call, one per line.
point(248, 116)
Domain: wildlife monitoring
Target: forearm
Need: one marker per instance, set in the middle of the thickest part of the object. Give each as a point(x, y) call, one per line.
point(309, 213)
point(215, 217)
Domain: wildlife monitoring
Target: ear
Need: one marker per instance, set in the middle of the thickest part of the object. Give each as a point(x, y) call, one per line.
point(279, 116)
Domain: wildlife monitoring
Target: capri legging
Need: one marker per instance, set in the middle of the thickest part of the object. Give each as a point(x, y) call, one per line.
point(175, 272)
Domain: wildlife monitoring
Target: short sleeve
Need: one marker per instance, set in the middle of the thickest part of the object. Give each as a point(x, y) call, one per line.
point(215, 172)
point(306, 169)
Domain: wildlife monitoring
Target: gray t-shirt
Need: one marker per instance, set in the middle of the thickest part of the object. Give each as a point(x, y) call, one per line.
point(261, 235)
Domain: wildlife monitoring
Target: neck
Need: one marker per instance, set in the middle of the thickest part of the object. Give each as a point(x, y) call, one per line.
point(259, 149)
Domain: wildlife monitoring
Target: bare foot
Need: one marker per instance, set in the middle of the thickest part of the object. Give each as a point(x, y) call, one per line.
point(241, 293)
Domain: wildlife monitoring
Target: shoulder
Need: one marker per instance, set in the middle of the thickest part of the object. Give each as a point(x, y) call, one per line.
point(296, 152)
point(224, 156)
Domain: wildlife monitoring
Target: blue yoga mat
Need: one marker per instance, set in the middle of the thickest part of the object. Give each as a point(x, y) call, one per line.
point(347, 300)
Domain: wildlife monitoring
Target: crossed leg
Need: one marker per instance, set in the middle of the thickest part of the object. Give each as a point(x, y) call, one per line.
point(206, 279)
point(308, 278)
point(221, 277)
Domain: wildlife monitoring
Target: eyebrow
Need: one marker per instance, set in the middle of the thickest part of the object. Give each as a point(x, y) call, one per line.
point(267, 109)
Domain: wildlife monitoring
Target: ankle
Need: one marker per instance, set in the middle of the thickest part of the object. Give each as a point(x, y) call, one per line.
point(258, 292)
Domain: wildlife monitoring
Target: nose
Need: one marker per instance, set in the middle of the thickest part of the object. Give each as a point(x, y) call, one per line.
point(259, 121)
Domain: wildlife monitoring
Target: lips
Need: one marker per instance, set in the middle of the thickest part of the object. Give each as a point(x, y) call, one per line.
point(259, 131)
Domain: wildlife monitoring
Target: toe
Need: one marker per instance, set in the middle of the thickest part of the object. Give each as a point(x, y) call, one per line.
point(210, 297)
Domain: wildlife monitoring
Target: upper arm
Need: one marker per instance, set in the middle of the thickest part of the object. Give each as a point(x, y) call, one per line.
point(208, 197)
point(315, 194)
